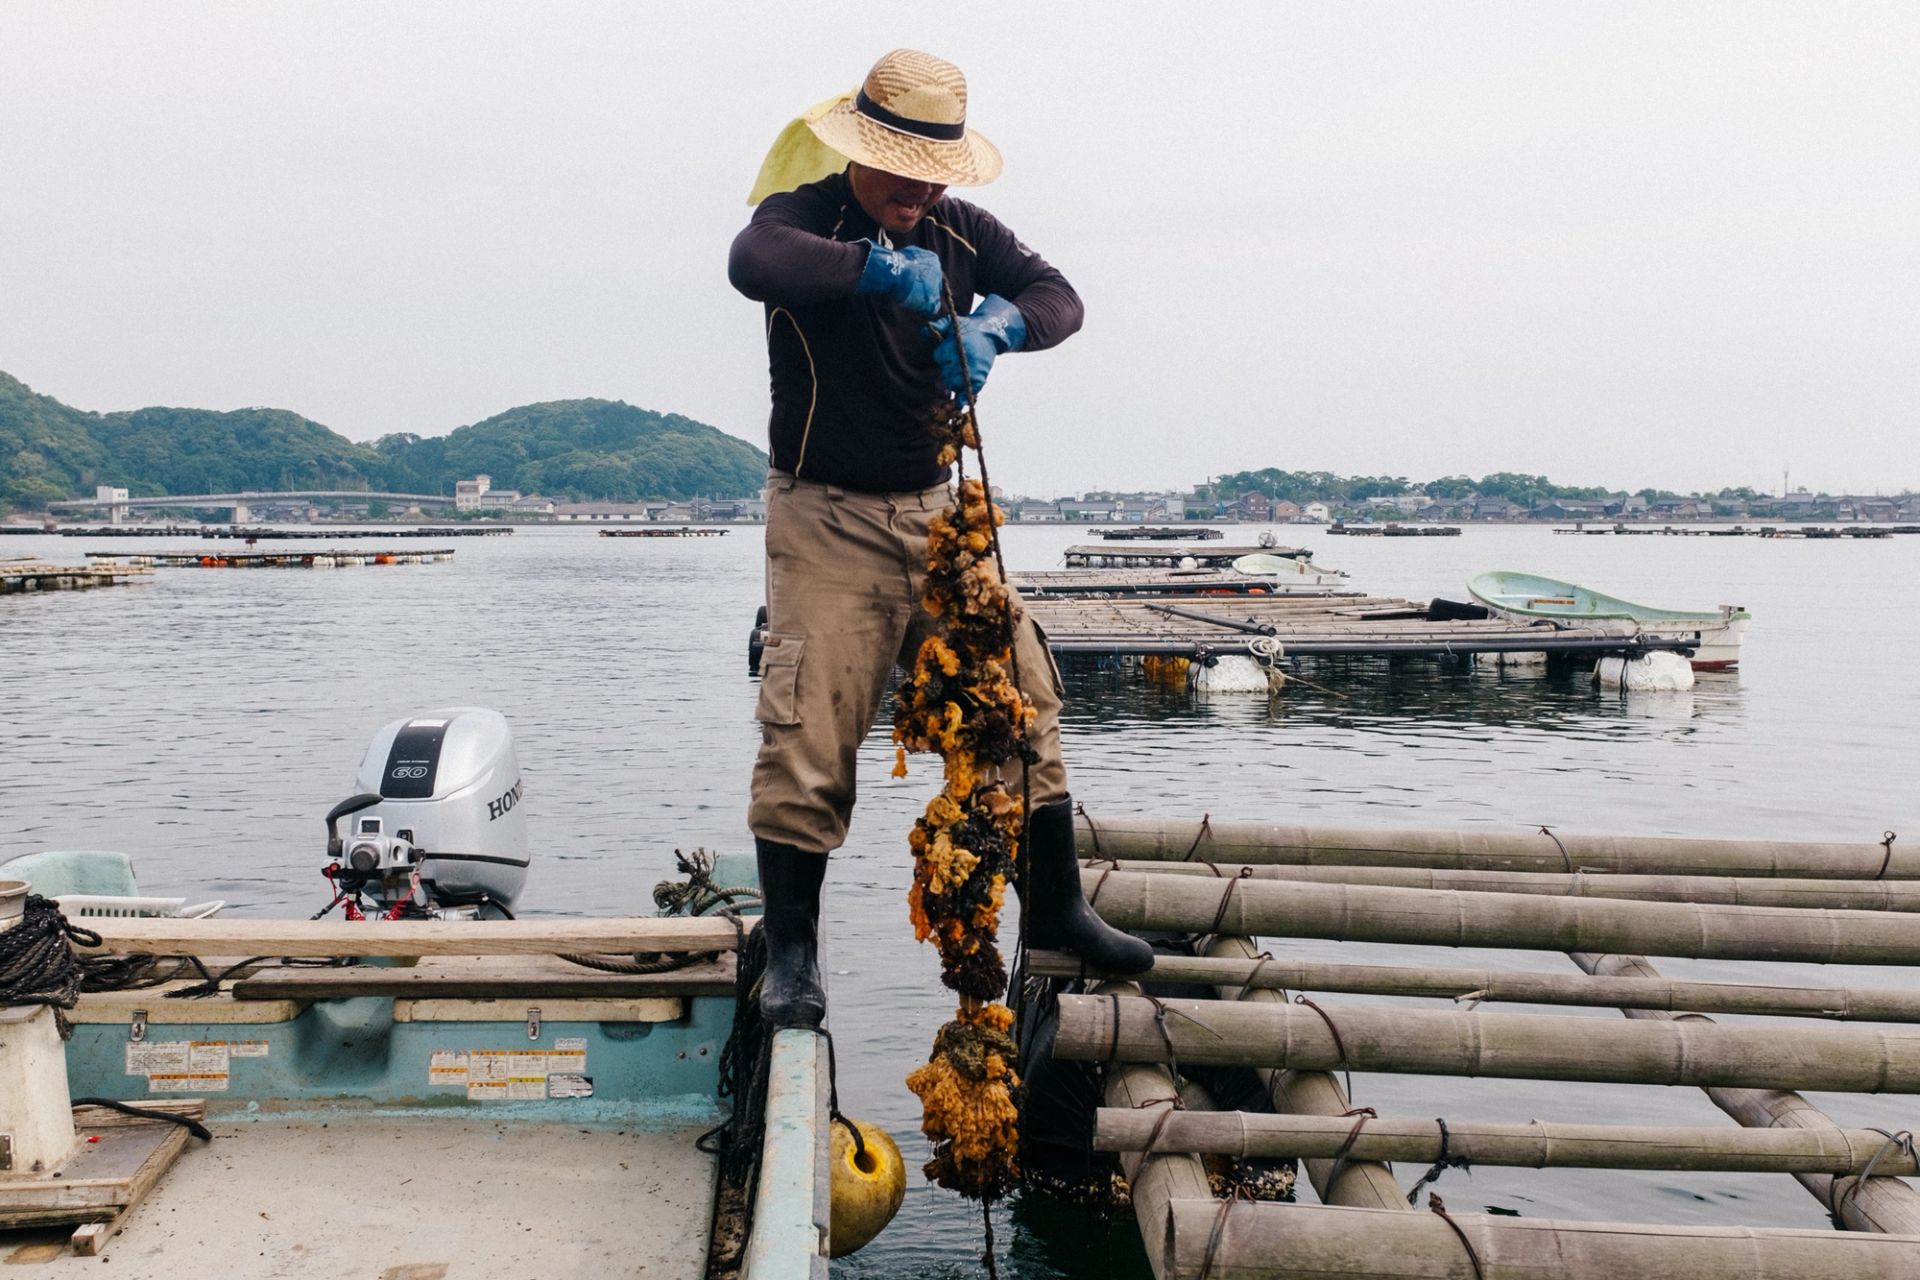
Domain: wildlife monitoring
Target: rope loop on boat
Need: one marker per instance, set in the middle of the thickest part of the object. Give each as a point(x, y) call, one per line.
point(1565, 860)
point(38, 964)
point(1887, 861)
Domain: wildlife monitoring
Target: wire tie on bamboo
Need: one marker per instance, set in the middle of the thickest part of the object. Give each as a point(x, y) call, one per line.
point(1260, 962)
point(1887, 861)
point(1206, 829)
point(1901, 1141)
point(1080, 810)
point(1439, 1206)
point(1240, 1193)
point(1446, 1161)
point(1176, 1103)
point(1220, 915)
point(1362, 1115)
point(1339, 1047)
point(1565, 860)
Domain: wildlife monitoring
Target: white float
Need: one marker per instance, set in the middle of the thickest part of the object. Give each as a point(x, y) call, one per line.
point(1530, 658)
point(1648, 673)
point(1229, 673)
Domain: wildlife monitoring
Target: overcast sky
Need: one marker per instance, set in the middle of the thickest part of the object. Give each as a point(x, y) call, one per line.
point(1625, 244)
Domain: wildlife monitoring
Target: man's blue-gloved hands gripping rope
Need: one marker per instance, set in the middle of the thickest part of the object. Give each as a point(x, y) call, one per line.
point(995, 327)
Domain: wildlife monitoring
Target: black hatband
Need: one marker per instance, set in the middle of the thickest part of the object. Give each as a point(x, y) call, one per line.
point(918, 128)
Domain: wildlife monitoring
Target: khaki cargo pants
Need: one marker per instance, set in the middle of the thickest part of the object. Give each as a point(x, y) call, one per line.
point(845, 573)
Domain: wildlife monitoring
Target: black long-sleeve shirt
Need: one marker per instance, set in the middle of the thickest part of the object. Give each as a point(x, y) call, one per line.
point(853, 376)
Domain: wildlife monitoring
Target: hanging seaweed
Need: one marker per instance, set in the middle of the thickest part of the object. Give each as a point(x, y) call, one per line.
point(961, 701)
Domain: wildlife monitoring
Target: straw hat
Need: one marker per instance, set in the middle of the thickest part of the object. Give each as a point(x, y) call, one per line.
point(910, 117)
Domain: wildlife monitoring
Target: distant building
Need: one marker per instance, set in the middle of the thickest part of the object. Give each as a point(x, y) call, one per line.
point(617, 512)
point(1284, 510)
point(1254, 505)
point(1317, 512)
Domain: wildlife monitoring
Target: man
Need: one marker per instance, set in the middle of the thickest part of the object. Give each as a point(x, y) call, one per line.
point(854, 270)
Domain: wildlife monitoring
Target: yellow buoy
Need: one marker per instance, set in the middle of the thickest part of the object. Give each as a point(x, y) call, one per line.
point(867, 1186)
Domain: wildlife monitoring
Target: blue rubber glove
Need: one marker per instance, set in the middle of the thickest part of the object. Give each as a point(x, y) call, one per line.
point(995, 327)
point(911, 277)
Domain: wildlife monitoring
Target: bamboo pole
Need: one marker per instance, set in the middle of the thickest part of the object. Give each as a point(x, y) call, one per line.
point(1535, 1145)
point(1861, 1204)
point(1744, 891)
point(1363, 1184)
point(1155, 1181)
point(1313, 1242)
point(1501, 986)
point(1513, 850)
point(1505, 1045)
point(1450, 918)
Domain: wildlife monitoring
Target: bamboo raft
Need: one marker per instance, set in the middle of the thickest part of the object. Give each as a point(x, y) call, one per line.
point(17, 576)
point(663, 533)
point(1602, 902)
point(1094, 556)
point(1159, 533)
point(318, 558)
point(1323, 626)
point(1178, 582)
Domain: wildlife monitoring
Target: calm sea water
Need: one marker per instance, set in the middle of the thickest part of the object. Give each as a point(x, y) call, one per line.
point(204, 723)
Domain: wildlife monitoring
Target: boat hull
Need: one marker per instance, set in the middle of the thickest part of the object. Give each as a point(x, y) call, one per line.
point(1718, 633)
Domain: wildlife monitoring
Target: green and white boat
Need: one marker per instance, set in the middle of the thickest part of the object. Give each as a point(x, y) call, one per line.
point(1533, 596)
point(441, 1084)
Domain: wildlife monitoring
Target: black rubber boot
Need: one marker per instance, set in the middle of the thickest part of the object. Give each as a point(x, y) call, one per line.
point(790, 990)
point(1057, 914)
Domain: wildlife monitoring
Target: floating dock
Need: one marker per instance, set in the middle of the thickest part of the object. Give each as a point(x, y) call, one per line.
point(1179, 582)
point(1741, 531)
point(319, 558)
point(18, 576)
point(1395, 530)
point(663, 533)
point(279, 535)
point(1224, 892)
point(1094, 556)
point(1158, 533)
point(1322, 626)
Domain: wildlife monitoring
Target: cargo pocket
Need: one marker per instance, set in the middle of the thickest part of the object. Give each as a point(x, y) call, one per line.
point(780, 680)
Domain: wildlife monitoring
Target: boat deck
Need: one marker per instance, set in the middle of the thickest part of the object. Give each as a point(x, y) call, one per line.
point(409, 1196)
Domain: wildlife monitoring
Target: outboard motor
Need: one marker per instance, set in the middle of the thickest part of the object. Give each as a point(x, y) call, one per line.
point(436, 829)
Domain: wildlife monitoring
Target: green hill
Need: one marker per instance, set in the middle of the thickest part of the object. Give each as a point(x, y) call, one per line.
point(582, 449)
point(568, 449)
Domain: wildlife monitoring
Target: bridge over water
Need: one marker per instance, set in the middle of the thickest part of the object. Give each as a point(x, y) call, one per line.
point(118, 505)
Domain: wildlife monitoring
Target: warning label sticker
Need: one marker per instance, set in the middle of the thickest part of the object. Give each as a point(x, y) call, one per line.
point(189, 1066)
point(569, 1086)
point(513, 1075)
point(447, 1068)
point(165, 1056)
point(188, 1081)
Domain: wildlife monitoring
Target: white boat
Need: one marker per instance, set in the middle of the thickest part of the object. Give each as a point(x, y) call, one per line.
point(1527, 595)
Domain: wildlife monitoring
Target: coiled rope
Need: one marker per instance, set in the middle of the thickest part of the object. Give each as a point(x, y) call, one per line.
point(38, 964)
